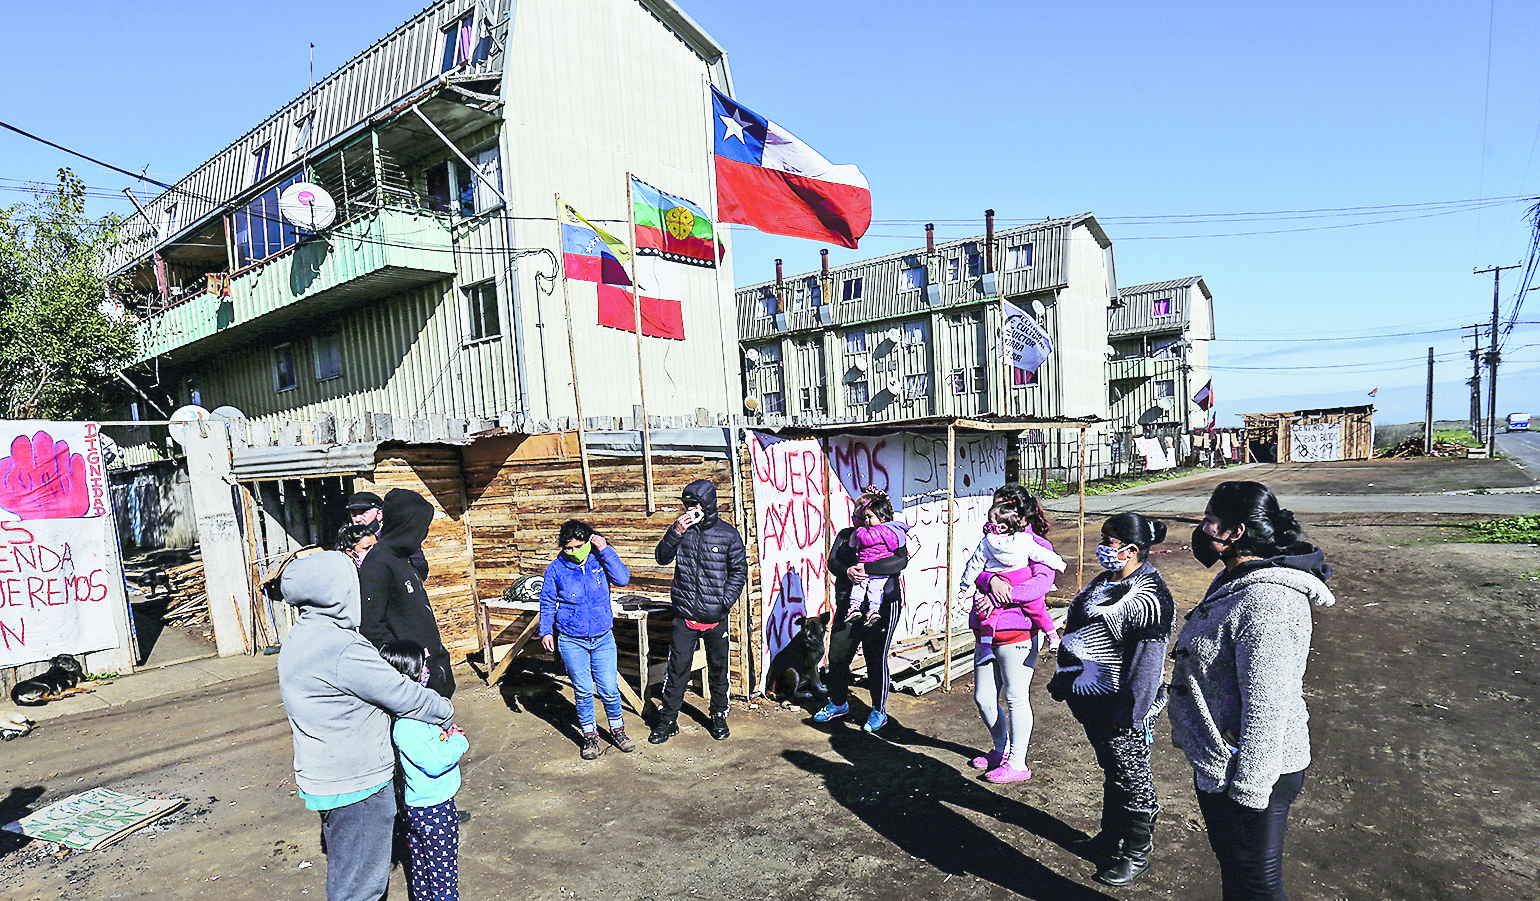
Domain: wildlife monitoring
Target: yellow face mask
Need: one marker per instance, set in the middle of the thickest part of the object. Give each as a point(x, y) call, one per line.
point(580, 554)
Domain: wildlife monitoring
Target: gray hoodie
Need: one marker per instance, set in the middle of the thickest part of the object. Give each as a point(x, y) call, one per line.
point(1237, 687)
point(338, 692)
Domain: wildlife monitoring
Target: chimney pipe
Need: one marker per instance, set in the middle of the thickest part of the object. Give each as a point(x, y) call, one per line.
point(778, 273)
point(825, 255)
point(989, 240)
point(930, 237)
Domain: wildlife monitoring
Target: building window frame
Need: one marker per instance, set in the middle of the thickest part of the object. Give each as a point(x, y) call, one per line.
point(855, 342)
point(1165, 388)
point(1161, 307)
point(482, 305)
point(326, 353)
point(260, 159)
point(852, 290)
point(911, 278)
point(285, 372)
point(1018, 257)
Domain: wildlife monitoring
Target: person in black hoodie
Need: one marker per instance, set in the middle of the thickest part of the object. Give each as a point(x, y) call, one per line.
point(710, 569)
point(395, 605)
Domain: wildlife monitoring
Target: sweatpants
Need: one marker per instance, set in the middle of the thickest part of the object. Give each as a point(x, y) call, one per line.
point(433, 865)
point(357, 839)
point(681, 653)
point(845, 638)
point(1249, 842)
point(1123, 754)
point(1006, 670)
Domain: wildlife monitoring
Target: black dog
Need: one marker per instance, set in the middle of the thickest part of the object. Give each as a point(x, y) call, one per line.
point(59, 680)
point(801, 657)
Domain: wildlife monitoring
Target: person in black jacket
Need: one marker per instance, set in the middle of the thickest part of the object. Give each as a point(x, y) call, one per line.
point(395, 605)
point(710, 570)
point(873, 639)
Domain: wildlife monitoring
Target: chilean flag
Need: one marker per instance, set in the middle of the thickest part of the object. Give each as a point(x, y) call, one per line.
point(770, 180)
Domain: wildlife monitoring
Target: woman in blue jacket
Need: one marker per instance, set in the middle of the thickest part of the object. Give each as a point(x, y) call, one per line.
point(576, 621)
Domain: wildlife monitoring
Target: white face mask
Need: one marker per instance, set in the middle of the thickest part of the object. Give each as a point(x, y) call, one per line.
point(1108, 557)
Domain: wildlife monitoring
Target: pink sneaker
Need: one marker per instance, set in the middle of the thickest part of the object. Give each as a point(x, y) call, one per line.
point(1006, 773)
point(987, 761)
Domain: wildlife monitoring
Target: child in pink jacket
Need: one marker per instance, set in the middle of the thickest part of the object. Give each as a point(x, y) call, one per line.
point(878, 537)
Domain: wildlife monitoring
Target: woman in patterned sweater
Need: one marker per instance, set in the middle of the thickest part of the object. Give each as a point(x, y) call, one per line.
point(1111, 668)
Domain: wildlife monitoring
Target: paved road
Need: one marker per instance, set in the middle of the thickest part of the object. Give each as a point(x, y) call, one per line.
point(1522, 448)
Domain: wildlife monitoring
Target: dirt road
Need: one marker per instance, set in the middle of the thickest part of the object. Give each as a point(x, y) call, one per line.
point(1423, 690)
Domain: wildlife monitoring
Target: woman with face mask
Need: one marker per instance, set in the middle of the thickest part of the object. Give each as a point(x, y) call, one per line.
point(576, 621)
point(1110, 671)
point(1237, 685)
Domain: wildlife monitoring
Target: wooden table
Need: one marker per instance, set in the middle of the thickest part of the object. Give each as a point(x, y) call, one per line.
point(511, 626)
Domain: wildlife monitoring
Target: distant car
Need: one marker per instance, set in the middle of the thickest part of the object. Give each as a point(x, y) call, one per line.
point(1518, 422)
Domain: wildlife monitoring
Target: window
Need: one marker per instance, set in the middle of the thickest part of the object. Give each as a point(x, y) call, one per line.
point(767, 304)
point(814, 401)
point(460, 45)
point(775, 402)
point(815, 291)
point(302, 127)
point(481, 311)
point(855, 342)
point(980, 380)
point(1162, 307)
point(798, 301)
point(1022, 378)
point(914, 334)
point(1166, 348)
point(858, 393)
point(168, 221)
point(953, 269)
point(488, 162)
point(194, 396)
point(917, 386)
point(770, 354)
point(959, 381)
point(259, 162)
point(284, 375)
point(911, 279)
point(1165, 387)
point(328, 357)
point(975, 262)
point(1018, 257)
point(452, 187)
point(259, 231)
point(853, 289)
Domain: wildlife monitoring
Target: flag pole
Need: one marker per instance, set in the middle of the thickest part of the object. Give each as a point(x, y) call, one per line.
point(577, 396)
point(718, 231)
point(641, 376)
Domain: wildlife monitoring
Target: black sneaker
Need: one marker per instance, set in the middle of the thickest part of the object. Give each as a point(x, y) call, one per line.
point(662, 732)
point(591, 746)
point(719, 730)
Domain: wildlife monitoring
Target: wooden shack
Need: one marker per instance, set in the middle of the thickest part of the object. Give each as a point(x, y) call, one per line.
point(1310, 436)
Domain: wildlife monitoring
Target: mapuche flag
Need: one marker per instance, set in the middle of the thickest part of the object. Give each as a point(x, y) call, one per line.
point(769, 179)
point(590, 253)
point(671, 227)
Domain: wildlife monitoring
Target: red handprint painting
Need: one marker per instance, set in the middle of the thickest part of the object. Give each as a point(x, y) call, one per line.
point(41, 479)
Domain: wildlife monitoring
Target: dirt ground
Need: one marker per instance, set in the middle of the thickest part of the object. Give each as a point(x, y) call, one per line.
point(1425, 785)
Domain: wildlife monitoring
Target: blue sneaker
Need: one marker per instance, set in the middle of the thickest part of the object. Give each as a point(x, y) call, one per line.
point(831, 711)
point(876, 721)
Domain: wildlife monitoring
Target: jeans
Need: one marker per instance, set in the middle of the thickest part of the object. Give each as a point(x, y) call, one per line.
point(1006, 669)
point(358, 840)
point(681, 653)
point(594, 666)
point(1249, 842)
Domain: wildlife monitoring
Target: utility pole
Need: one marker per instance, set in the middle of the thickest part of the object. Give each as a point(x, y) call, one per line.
point(1475, 381)
point(1492, 357)
point(1427, 428)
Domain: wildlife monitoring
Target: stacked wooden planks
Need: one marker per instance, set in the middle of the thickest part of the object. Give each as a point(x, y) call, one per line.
point(189, 597)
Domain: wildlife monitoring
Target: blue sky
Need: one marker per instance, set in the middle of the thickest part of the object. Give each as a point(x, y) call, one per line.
point(1124, 109)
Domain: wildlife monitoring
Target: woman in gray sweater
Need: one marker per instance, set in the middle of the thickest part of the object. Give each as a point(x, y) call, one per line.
point(1237, 686)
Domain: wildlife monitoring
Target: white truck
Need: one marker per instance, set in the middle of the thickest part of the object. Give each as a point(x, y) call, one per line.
point(1518, 422)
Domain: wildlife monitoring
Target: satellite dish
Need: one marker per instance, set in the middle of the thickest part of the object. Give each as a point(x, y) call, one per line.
point(227, 412)
point(859, 363)
point(307, 206)
point(893, 384)
point(182, 419)
point(751, 404)
point(894, 334)
point(1038, 309)
point(751, 355)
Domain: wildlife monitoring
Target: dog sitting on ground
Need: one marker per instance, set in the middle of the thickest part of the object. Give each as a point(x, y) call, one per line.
point(801, 657)
point(61, 678)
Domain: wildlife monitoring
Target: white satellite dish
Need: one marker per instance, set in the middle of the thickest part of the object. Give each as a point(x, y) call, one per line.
point(1038, 309)
point(894, 334)
point(307, 206)
point(751, 355)
point(859, 363)
point(893, 385)
point(182, 419)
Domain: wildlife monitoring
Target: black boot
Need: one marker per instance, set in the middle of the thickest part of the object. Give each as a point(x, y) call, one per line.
point(663, 731)
point(1104, 841)
point(1132, 857)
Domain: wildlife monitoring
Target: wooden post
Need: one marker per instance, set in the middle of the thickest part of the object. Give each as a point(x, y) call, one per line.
point(641, 376)
point(1080, 558)
point(951, 483)
point(577, 396)
point(828, 528)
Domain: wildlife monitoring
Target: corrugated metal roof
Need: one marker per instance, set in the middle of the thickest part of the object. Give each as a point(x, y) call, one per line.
point(711, 443)
point(1187, 282)
point(302, 461)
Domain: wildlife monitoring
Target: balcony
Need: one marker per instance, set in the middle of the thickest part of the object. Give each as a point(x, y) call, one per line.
point(379, 252)
point(1130, 369)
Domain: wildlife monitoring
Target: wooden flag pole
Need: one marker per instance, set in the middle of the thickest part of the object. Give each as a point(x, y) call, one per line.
point(1080, 560)
point(951, 485)
point(641, 376)
point(577, 396)
point(729, 344)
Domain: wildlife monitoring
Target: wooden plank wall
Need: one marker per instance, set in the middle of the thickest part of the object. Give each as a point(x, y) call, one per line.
point(520, 489)
point(434, 471)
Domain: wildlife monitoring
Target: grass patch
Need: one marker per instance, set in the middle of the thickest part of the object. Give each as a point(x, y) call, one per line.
point(1109, 485)
point(1509, 530)
point(1457, 436)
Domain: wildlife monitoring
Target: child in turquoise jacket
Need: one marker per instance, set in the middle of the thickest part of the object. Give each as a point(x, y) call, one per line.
point(430, 761)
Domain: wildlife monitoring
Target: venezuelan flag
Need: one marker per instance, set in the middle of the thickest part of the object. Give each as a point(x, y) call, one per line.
point(588, 252)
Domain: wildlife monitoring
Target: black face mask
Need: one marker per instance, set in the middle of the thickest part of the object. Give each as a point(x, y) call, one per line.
point(1205, 547)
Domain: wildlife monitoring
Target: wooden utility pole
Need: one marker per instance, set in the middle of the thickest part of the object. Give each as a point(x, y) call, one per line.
point(1492, 357)
point(641, 373)
point(1427, 426)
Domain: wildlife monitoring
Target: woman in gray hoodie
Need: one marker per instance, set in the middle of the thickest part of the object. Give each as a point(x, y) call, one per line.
point(1237, 686)
point(340, 696)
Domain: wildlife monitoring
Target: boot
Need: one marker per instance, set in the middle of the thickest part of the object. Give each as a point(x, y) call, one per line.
point(663, 731)
point(1132, 857)
point(1104, 841)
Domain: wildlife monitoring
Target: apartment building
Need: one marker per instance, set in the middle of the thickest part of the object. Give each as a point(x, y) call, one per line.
point(1159, 338)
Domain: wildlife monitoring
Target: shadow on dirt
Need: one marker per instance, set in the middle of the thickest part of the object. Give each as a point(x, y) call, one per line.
point(13, 807)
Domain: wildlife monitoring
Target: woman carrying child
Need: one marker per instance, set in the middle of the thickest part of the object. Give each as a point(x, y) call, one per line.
point(1111, 669)
point(430, 763)
point(1009, 626)
point(577, 621)
point(876, 536)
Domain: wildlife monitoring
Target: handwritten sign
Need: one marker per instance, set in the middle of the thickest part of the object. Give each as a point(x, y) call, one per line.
point(54, 470)
point(93, 820)
point(789, 518)
point(1315, 442)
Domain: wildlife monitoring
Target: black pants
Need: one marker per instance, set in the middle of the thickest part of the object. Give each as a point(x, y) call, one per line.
point(681, 653)
point(1249, 842)
point(1123, 754)
point(872, 640)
